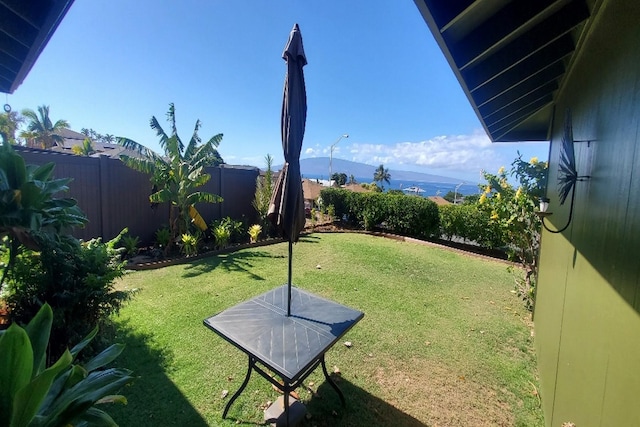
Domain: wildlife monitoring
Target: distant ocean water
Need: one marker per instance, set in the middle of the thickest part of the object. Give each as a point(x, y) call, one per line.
point(430, 188)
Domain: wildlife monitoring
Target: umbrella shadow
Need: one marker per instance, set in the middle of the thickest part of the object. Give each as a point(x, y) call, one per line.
point(308, 238)
point(153, 398)
point(236, 262)
point(362, 408)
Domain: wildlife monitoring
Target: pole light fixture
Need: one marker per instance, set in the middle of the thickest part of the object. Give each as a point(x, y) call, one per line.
point(346, 135)
point(567, 176)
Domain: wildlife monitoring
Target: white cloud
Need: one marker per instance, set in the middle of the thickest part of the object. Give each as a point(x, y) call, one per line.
point(446, 154)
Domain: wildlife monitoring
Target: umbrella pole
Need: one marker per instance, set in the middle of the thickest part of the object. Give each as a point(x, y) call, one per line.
point(289, 282)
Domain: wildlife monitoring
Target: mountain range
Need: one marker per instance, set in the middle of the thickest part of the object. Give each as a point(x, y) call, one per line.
point(317, 167)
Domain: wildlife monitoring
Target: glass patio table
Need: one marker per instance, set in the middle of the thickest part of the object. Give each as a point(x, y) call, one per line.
point(290, 346)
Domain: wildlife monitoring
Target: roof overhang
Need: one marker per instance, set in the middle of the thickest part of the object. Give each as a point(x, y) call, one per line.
point(510, 57)
point(25, 28)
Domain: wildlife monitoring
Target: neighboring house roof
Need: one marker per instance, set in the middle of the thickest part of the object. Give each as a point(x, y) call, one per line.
point(73, 138)
point(356, 188)
point(25, 29)
point(311, 189)
point(510, 57)
point(440, 201)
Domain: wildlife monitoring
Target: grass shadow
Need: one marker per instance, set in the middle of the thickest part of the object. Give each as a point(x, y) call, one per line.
point(235, 262)
point(153, 399)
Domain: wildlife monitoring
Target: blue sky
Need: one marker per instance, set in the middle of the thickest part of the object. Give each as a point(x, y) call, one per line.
point(374, 72)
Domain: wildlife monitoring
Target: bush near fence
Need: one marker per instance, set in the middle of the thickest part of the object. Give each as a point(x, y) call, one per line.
point(405, 215)
point(415, 217)
point(470, 224)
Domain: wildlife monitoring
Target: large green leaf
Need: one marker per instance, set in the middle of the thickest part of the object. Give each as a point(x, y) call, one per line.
point(95, 417)
point(44, 172)
point(85, 341)
point(28, 399)
point(16, 366)
point(74, 401)
point(38, 330)
point(14, 166)
point(105, 357)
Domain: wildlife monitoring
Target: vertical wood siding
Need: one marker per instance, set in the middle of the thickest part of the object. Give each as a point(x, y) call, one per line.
point(588, 308)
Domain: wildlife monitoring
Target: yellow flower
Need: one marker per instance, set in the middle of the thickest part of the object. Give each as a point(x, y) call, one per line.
point(519, 192)
point(483, 198)
point(503, 183)
point(499, 196)
point(487, 189)
point(501, 170)
point(534, 161)
point(494, 215)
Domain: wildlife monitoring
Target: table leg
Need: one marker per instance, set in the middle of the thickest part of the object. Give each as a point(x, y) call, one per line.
point(331, 383)
point(244, 384)
point(287, 391)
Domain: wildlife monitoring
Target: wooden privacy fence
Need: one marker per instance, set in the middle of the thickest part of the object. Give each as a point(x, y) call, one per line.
point(114, 196)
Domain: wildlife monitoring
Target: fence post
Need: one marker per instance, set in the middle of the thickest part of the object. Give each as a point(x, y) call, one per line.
point(103, 166)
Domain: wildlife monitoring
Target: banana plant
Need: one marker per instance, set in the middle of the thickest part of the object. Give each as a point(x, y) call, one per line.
point(176, 174)
point(62, 394)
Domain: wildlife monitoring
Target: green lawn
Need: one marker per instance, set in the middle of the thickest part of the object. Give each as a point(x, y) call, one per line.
point(444, 341)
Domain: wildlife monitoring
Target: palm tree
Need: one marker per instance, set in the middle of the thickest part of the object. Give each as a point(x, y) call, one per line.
point(41, 131)
point(381, 174)
point(86, 149)
point(176, 174)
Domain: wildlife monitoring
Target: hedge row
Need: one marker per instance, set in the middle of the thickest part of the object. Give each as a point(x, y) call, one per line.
point(415, 216)
point(397, 213)
point(469, 223)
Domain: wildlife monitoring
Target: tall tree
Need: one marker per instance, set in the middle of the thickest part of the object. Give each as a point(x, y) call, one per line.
point(41, 131)
point(339, 178)
point(352, 179)
point(177, 174)
point(9, 123)
point(382, 175)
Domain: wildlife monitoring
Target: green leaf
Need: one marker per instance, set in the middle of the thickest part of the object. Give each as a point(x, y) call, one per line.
point(16, 366)
point(28, 399)
point(105, 357)
point(95, 417)
point(73, 402)
point(38, 330)
point(82, 344)
point(44, 172)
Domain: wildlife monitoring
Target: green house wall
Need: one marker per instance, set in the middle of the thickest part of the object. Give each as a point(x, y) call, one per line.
point(587, 319)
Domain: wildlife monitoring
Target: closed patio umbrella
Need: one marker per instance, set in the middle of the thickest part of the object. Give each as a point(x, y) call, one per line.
point(286, 209)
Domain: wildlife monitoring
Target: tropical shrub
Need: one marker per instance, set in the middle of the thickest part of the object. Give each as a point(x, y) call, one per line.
point(178, 173)
point(264, 188)
point(331, 212)
point(338, 198)
point(76, 279)
point(28, 205)
point(62, 394)
point(254, 232)
point(471, 223)
point(411, 216)
point(222, 235)
point(130, 244)
point(163, 237)
point(513, 210)
point(189, 244)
